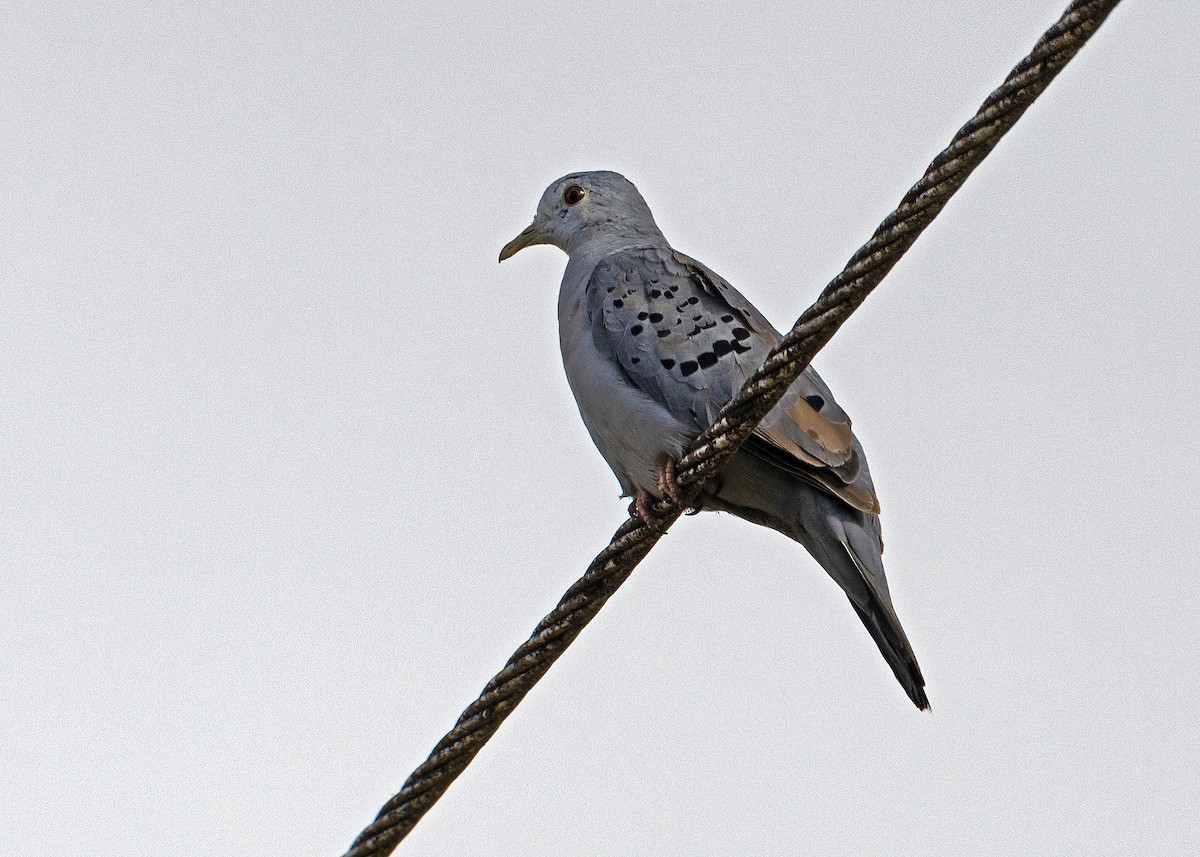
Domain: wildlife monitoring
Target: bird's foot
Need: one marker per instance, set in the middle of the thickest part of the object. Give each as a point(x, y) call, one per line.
point(642, 505)
point(643, 500)
point(668, 486)
point(666, 481)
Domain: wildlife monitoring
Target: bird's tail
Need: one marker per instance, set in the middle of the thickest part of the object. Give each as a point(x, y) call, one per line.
point(847, 543)
point(896, 650)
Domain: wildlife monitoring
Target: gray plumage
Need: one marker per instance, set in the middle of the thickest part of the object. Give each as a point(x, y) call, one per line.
point(654, 344)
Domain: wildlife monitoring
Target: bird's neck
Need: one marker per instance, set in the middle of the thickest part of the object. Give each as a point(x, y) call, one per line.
point(601, 244)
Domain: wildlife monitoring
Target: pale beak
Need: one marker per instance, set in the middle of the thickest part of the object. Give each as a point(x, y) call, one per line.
point(529, 235)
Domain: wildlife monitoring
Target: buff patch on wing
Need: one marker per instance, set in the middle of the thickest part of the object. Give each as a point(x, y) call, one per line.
point(835, 437)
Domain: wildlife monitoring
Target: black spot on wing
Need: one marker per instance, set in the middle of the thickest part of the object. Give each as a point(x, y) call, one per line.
point(666, 293)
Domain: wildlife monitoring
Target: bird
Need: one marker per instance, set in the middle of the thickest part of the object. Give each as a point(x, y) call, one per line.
point(654, 344)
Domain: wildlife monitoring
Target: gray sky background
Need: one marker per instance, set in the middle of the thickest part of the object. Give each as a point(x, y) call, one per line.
point(288, 465)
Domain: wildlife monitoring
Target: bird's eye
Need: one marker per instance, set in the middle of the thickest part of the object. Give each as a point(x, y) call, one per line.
point(574, 195)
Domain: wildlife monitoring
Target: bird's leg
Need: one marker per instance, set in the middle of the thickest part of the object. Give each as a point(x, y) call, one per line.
point(669, 486)
point(642, 505)
point(643, 501)
point(666, 480)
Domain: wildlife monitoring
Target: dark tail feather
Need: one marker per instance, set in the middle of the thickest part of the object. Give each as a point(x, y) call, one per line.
point(844, 540)
point(896, 651)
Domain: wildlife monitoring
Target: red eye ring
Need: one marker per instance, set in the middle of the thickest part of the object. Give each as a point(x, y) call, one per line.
point(574, 195)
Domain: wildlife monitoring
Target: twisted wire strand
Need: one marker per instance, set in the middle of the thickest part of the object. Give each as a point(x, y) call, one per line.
point(712, 449)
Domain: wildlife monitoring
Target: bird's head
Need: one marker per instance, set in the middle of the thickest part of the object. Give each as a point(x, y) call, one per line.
point(582, 209)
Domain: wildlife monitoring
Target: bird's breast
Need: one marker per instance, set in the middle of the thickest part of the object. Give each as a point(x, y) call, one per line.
point(632, 432)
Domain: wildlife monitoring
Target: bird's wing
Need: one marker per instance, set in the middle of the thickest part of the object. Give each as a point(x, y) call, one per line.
point(689, 341)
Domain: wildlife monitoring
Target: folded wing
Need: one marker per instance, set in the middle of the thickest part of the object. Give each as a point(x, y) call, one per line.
point(689, 340)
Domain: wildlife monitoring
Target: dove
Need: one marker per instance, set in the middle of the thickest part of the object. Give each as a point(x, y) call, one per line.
point(654, 344)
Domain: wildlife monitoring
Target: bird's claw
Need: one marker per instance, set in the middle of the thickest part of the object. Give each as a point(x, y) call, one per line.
point(642, 505)
point(668, 485)
point(666, 481)
point(643, 500)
